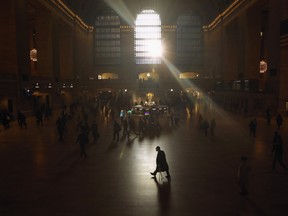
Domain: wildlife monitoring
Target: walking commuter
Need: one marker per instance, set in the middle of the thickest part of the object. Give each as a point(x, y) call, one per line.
point(243, 171)
point(116, 130)
point(132, 126)
point(125, 126)
point(83, 140)
point(200, 121)
point(212, 126)
point(278, 152)
point(253, 126)
point(122, 116)
point(268, 116)
point(21, 118)
point(141, 126)
point(60, 124)
point(39, 117)
point(5, 118)
point(279, 120)
point(94, 130)
point(206, 127)
point(161, 163)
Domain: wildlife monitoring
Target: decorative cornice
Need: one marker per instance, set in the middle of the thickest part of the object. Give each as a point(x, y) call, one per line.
point(71, 15)
point(225, 14)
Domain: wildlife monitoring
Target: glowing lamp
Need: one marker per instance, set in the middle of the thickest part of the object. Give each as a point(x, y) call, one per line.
point(263, 67)
point(33, 54)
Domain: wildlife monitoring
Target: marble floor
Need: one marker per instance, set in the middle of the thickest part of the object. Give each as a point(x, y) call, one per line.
point(39, 176)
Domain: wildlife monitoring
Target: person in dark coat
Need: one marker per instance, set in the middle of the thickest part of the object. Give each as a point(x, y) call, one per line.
point(125, 127)
point(60, 129)
point(95, 133)
point(278, 152)
point(39, 117)
point(212, 126)
point(161, 163)
point(116, 130)
point(279, 120)
point(253, 126)
point(243, 171)
point(83, 140)
point(205, 127)
point(21, 118)
point(268, 116)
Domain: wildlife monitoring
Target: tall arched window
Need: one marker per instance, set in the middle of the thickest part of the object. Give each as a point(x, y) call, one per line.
point(189, 40)
point(148, 47)
point(107, 39)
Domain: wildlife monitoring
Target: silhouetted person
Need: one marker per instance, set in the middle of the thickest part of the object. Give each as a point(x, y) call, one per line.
point(5, 117)
point(205, 127)
point(161, 163)
point(243, 171)
point(116, 131)
point(132, 126)
point(122, 116)
point(39, 117)
point(212, 126)
point(21, 118)
point(83, 140)
point(141, 127)
point(60, 124)
point(125, 127)
point(253, 126)
point(94, 130)
point(268, 116)
point(278, 152)
point(279, 120)
point(200, 121)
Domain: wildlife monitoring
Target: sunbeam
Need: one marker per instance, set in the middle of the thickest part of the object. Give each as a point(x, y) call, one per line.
point(213, 108)
point(122, 10)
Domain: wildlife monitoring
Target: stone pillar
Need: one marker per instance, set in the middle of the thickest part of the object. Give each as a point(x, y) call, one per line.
point(23, 52)
point(22, 38)
point(44, 42)
point(273, 49)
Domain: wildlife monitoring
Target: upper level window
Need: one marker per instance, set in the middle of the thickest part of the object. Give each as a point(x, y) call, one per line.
point(189, 40)
point(107, 40)
point(148, 47)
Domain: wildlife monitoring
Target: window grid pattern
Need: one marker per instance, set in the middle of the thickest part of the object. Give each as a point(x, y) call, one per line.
point(189, 40)
point(107, 45)
point(148, 38)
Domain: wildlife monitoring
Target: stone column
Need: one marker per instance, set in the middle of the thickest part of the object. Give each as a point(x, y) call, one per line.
point(23, 52)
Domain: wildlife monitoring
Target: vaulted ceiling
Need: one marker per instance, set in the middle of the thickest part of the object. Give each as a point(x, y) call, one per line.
point(168, 9)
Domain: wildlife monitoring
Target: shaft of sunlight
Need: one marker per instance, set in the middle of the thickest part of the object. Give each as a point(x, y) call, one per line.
point(122, 10)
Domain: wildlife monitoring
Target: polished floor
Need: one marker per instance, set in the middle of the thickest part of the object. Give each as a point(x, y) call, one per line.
point(39, 176)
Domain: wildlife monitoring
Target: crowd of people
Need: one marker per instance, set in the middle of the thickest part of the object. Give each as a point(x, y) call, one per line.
point(88, 113)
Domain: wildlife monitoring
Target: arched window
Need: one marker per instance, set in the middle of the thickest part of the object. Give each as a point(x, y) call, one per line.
point(107, 39)
point(148, 47)
point(189, 40)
